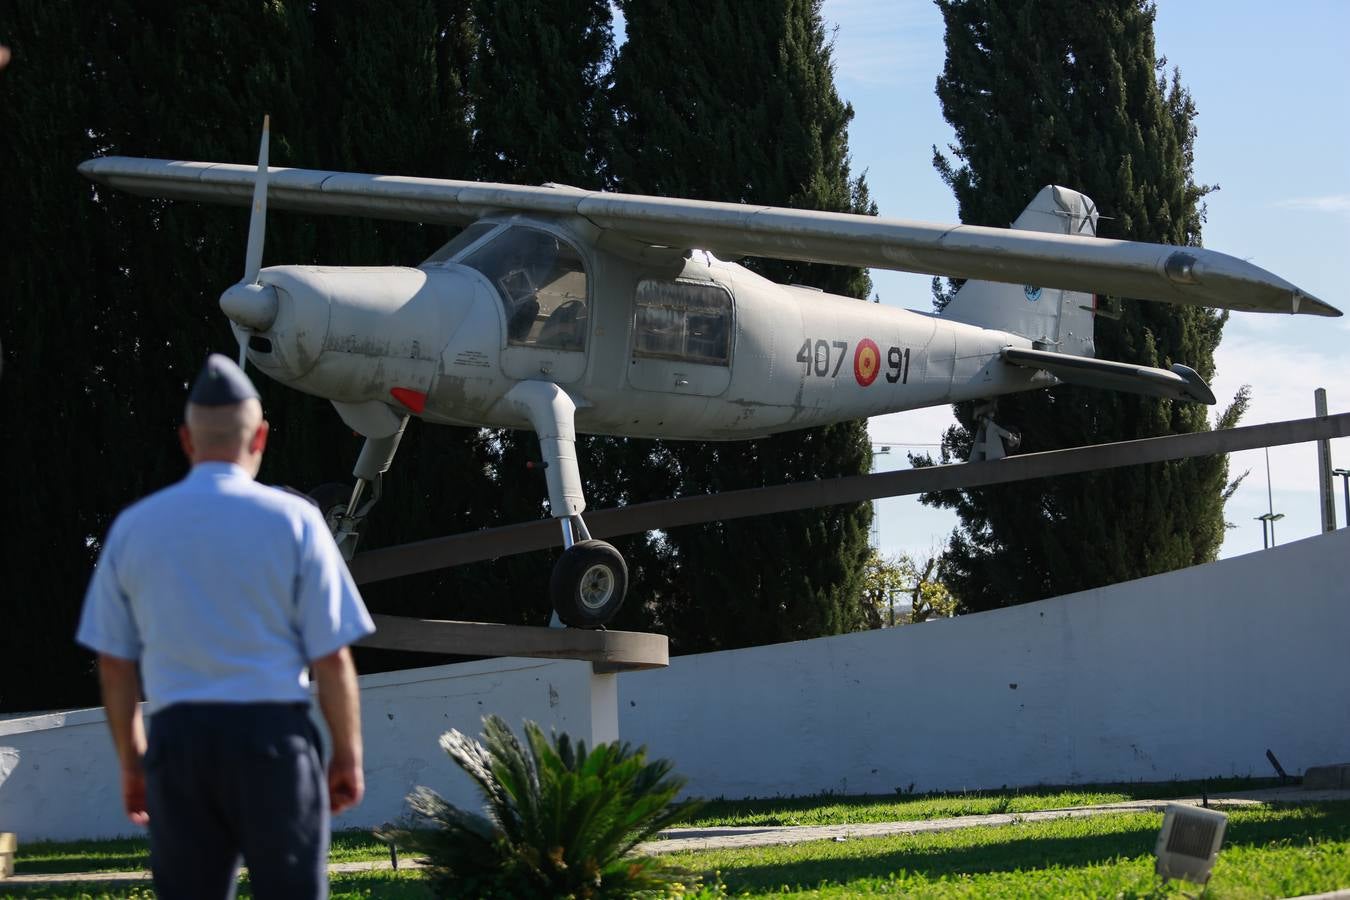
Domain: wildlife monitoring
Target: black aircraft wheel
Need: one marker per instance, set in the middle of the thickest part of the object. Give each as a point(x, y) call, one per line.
point(332, 499)
point(588, 584)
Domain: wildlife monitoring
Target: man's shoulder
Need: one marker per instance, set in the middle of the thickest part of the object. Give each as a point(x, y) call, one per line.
point(264, 500)
point(147, 507)
point(284, 501)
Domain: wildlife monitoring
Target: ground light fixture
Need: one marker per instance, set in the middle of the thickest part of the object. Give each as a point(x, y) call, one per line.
point(1189, 842)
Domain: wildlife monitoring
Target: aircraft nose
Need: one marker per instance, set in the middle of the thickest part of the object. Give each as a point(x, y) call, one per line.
point(286, 315)
point(252, 306)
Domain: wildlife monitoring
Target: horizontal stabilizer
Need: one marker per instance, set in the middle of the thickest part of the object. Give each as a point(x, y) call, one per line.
point(1181, 383)
point(1188, 275)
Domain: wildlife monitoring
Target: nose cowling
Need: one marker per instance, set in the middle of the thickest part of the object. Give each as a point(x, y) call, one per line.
point(351, 333)
point(252, 306)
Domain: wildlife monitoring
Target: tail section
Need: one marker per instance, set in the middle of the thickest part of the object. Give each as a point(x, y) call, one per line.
point(1057, 321)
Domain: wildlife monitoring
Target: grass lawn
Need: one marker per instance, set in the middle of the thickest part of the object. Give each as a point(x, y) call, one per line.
point(361, 846)
point(1267, 852)
point(902, 807)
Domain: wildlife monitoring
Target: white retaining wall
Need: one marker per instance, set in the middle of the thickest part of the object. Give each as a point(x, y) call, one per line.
point(58, 772)
point(1185, 675)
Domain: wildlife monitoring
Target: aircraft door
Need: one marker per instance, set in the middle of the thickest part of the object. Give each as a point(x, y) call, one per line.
point(543, 284)
point(682, 337)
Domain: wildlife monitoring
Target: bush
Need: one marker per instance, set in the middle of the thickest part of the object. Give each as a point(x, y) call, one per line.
point(561, 821)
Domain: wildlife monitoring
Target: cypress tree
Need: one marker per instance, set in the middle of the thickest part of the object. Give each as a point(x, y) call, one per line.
point(736, 102)
point(1070, 92)
point(538, 79)
point(113, 297)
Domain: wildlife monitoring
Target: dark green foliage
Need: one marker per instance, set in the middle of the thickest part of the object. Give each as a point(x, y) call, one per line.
point(1069, 92)
point(561, 821)
point(112, 298)
point(736, 102)
point(538, 79)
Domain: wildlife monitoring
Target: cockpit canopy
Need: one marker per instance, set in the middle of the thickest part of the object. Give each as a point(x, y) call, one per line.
point(539, 278)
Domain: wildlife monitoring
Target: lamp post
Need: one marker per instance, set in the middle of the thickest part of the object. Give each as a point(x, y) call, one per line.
point(874, 533)
point(1270, 518)
point(1345, 485)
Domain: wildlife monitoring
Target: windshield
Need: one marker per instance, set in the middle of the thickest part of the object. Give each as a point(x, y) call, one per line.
point(460, 241)
point(541, 282)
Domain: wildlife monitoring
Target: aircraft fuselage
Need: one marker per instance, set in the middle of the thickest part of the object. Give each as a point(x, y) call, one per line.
point(668, 346)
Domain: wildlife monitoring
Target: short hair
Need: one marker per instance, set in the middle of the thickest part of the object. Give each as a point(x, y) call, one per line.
point(223, 427)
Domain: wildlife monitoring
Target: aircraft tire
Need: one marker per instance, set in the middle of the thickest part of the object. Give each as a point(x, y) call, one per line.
point(329, 496)
point(589, 583)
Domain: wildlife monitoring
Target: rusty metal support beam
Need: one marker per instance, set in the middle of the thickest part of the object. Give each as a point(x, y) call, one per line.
point(490, 543)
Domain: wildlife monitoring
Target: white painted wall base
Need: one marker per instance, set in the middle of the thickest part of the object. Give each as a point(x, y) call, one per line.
point(58, 773)
point(1189, 674)
point(1185, 675)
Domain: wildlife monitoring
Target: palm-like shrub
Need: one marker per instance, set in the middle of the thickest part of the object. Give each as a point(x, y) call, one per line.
point(561, 821)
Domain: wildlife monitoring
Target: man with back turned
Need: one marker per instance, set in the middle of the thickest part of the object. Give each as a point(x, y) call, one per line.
point(228, 594)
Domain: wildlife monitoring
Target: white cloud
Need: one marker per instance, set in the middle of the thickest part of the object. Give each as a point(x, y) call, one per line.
point(1335, 204)
point(1283, 371)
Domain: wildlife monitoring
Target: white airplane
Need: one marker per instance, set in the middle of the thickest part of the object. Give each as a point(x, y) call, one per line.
point(562, 311)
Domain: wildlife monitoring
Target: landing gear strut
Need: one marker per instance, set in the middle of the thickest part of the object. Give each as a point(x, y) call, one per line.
point(345, 508)
point(990, 436)
point(590, 579)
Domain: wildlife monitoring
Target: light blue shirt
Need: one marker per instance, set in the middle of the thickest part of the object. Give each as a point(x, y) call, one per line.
point(224, 589)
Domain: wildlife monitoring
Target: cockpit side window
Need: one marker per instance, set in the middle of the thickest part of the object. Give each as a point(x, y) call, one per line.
point(683, 320)
point(541, 281)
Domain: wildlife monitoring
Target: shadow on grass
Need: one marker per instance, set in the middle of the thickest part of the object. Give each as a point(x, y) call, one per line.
point(723, 809)
point(53, 857)
point(1023, 850)
point(383, 885)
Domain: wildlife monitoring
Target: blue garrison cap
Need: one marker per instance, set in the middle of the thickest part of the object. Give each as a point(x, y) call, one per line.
point(221, 383)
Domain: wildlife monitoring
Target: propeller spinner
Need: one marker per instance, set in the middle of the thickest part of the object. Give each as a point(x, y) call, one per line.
point(250, 305)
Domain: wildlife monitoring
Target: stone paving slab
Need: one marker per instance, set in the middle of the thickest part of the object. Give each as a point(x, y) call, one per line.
point(679, 840)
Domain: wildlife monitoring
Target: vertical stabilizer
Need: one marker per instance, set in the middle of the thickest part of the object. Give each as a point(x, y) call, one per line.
point(1060, 321)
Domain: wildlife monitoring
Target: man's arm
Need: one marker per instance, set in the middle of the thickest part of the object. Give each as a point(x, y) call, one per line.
point(340, 701)
point(121, 691)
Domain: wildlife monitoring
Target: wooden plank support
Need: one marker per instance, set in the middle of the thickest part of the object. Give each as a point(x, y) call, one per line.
point(490, 543)
point(607, 651)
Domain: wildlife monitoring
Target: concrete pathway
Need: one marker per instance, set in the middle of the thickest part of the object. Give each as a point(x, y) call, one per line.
point(679, 840)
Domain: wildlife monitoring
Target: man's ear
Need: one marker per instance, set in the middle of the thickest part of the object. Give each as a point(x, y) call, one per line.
point(259, 440)
point(185, 440)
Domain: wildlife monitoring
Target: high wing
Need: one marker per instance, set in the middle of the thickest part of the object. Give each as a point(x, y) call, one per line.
point(1187, 275)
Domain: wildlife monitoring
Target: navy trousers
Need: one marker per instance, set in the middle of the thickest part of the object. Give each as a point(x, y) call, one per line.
point(225, 781)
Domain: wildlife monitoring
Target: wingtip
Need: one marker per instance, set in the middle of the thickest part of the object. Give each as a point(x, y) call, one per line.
point(1313, 306)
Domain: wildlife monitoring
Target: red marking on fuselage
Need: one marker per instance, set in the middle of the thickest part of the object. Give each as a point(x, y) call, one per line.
point(866, 361)
point(414, 400)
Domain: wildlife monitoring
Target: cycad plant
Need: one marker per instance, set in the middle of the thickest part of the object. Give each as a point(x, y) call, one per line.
point(561, 821)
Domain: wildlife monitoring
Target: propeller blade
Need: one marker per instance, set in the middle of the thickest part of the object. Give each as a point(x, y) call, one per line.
point(257, 223)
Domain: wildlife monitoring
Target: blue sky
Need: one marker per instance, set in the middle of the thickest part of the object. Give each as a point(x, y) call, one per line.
point(1269, 81)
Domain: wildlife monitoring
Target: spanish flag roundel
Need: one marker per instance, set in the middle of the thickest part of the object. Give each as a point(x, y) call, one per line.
point(866, 361)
